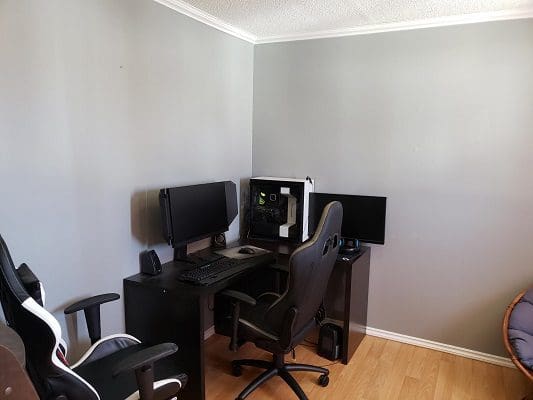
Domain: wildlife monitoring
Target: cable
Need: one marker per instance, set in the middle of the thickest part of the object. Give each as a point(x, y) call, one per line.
point(320, 315)
point(330, 364)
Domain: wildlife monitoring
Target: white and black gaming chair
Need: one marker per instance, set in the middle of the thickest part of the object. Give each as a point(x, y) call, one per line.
point(116, 367)
point(276, 322)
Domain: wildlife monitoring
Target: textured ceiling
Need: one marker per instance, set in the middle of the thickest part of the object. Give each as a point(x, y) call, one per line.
point(270, 18)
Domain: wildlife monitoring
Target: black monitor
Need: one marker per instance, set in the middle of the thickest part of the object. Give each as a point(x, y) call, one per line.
point(363, 216)
point(191, 213)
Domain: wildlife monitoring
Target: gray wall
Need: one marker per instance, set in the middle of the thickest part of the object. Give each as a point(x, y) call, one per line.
point(439, 121)
point(101, 103)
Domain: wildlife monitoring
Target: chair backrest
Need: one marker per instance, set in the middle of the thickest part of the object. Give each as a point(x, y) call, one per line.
point(40, 332)
point(310, 267)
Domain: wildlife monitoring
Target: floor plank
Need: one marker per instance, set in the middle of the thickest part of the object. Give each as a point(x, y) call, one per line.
point(379, 370)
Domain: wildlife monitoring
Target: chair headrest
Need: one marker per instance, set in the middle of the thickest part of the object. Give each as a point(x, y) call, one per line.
point(329, 224)
point(9, 279)
point(31, 283)
point(331, 217)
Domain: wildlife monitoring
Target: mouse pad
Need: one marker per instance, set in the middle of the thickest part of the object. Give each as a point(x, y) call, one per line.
point(233, 252)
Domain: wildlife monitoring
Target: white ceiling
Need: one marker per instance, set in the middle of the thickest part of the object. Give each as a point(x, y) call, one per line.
point(277, 20)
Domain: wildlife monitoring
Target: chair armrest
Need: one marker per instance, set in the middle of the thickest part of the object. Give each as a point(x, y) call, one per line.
point(143, 358)
point(142, 363)
point(91, 309)
point(240, 296)
point(287, 328)
point(90, 302)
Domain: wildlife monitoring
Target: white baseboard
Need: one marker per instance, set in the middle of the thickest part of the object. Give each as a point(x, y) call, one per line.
point(445, 348)
point(209, 332)
point(428, 344)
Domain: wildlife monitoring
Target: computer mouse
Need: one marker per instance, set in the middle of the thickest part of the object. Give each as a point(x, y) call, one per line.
point(246, 250)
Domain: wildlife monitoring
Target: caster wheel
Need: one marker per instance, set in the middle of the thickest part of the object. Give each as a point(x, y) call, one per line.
point(236, 370)
point(323, 380)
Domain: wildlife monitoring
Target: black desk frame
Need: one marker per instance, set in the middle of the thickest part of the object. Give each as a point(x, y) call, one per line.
point(162, 309)
point(347, 299)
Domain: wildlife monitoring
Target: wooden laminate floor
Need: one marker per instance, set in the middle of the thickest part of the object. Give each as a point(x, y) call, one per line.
point(380, 369)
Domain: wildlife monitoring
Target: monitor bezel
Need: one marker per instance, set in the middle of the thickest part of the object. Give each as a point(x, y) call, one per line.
point(192, 239)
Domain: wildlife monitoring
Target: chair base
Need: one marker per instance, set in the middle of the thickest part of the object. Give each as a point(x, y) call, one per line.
point(280, 368)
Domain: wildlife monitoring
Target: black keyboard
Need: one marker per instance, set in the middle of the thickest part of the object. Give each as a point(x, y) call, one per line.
point(214, 271)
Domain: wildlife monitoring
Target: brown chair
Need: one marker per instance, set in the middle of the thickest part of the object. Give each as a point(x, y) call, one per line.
point(508, 342)
point(14, 383)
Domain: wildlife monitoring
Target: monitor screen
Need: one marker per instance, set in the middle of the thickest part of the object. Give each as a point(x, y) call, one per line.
point(363, 216)
point(195, 212)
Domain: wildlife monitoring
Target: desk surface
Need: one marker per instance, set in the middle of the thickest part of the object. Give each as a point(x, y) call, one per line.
point(168, 278)
point(10, 339)
point(286, 248)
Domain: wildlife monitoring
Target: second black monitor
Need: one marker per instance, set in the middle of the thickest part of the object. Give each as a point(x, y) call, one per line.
point(363, 216)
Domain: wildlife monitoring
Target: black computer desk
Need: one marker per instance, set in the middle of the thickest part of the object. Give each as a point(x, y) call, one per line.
point(162, 309)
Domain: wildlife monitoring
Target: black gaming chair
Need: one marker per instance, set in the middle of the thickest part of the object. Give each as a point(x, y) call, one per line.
point(104, 372)
point(277, 323)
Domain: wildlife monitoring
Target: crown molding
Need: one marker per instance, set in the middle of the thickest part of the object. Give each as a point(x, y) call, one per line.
point(402, 26)
point(193, 12)
point(201, 16)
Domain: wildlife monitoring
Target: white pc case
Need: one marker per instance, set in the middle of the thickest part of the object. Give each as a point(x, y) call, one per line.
point(279, 208)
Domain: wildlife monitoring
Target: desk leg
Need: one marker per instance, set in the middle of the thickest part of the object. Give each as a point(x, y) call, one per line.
point(157, 316)
point(355, 305)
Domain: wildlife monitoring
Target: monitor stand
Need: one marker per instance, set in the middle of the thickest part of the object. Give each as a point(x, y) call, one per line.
point(350, 246)
point(180, 254)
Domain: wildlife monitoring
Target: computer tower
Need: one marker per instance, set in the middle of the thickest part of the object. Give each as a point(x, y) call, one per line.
point(330, 341)
point(279, 208)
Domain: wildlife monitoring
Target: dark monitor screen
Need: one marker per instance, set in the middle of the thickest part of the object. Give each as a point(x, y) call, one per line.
point(196, 212)
point(363, 216)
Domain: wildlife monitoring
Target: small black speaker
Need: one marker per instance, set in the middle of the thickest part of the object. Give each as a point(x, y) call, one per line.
point(150, 263)
point(330, 341)
point(218, 241)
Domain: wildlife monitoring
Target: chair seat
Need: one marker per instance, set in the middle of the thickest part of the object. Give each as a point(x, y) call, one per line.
point(256, 314)
point(254, 328)
point(97, 373)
